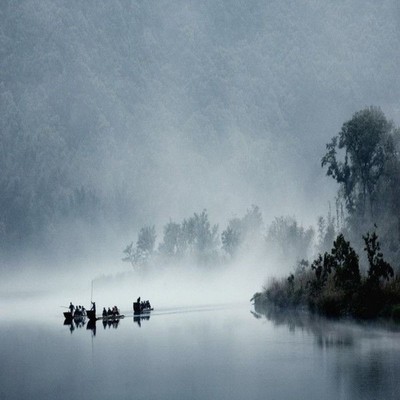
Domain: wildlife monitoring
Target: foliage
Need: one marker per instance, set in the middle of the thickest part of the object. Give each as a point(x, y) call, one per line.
point(243, 233)
point(327, 228)
point(172, 244)
point(379, 269)
point(364, 160)
point(344, 262)
point(333, 285)
point(144, 248)
point(230, 239)
point(287, 292)
point(289, 238)
point(368, 145)
point(194, 237)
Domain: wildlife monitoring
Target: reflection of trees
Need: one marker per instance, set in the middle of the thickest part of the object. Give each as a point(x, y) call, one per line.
point(373, 375)
point(294, 319)
point(365, 356)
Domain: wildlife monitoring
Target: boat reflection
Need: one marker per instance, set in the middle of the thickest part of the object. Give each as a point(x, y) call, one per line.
point(139, 318)
point(91, 325)
point(79, 323)
point(110, 323)
point(75, 323)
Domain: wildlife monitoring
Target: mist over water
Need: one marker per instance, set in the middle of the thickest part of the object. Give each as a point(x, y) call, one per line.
point(180, 286)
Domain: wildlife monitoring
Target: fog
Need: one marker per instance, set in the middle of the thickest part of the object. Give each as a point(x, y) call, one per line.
point(167, 289)
point(126, 113)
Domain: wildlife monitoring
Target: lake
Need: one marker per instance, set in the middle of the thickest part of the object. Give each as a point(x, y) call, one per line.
point(215, 352)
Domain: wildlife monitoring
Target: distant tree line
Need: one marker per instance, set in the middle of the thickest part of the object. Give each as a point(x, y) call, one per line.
point(195, 238)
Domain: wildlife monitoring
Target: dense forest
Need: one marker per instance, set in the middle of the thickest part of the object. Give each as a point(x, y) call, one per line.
point(117, 115)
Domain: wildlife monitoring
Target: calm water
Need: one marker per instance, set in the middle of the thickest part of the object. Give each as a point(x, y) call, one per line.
point(213, 353)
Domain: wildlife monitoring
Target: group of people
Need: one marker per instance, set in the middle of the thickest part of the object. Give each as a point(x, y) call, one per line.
point(111, 312)
point(78, 311)
point(143, 304)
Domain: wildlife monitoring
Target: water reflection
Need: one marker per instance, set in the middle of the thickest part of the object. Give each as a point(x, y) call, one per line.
point(139, 318)
point(365, 355)
point(225, 353)
point(91, 325)
point(75, 323)
point(110, 323)
point(79, 323)
point(326, 332)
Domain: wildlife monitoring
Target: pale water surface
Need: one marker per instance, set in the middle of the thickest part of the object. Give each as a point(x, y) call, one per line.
point(224, 352)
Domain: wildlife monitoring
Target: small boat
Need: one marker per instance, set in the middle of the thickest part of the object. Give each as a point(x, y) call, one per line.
point(91, 314)
point(70, 316)
point(67, 315)
point(142, 308)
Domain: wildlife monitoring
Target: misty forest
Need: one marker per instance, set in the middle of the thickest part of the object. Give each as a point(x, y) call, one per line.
point(201, 153)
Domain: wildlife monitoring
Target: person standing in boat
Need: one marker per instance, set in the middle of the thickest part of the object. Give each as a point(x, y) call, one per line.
point(71, 308)
point(104, 312)
point(94, 307)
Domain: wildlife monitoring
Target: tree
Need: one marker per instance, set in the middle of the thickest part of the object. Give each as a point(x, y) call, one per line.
point(322, 269)
point(243, 232)
point(368, 145)
point(144, 248)
point(379, 269)
point(195, 236)
point(147, 239)
point(130, 253)
point(326, 233)
point(344, 262)
point(290, 238)
point(252, 222)
point(230, 240)
point(204, 236)
point(171, 245)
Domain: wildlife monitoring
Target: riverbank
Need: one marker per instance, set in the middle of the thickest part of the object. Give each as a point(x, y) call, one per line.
point(298, 291)
point(334, 286)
